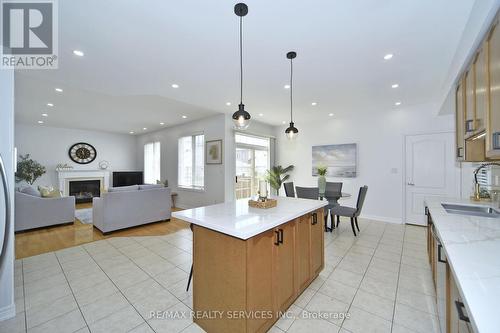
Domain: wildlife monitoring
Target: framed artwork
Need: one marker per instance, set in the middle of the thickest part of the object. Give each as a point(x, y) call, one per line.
point(213, 152)
point(340, 160)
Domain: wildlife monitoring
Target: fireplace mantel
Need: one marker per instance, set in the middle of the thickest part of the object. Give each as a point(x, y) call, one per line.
point(68, 175)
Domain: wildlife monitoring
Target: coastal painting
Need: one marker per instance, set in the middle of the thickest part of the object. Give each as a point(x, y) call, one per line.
point(340, 160)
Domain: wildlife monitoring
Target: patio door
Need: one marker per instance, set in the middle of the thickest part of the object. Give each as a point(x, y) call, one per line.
point(252, 161)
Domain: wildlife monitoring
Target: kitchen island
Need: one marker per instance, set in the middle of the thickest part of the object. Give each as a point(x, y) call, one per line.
point(250, 264)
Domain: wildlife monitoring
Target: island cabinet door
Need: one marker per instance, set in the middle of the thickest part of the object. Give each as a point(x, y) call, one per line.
point(317, 248)
point(284, 262)
point(303, 252)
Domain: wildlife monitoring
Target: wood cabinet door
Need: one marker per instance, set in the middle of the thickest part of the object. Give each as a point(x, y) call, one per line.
point(303, 252)
point(494, 83)
point(284, 262)
point(317, 240)
point(460, 120)
point(470, 101)
point(481, 86)
point(260, 283)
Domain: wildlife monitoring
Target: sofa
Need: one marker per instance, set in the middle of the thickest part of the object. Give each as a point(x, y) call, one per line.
point(130, 206)
point(32, 211)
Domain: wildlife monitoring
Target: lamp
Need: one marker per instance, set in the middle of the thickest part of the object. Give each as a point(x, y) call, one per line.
point(292, 131)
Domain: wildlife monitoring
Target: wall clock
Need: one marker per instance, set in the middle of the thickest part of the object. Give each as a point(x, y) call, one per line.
point(82, 153)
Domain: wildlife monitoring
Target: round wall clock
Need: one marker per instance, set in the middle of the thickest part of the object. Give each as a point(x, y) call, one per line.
point(82, 153)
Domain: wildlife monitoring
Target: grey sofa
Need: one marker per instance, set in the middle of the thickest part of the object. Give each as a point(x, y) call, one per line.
point(35, 212)
point(119, 209)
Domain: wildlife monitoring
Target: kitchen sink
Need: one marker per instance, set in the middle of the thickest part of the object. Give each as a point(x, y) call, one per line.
point(482, 211)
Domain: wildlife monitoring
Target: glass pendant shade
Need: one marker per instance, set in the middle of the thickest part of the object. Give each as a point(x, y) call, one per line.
point(241, 118)
point(291, 132)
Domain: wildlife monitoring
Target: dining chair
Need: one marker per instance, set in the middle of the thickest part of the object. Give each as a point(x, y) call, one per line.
point(333, 192)
point(311, 193)
point(351, 212)
point(289, 191)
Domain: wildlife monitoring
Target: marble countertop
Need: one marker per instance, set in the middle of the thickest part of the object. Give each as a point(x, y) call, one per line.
point(472, 247)
point(237, 219)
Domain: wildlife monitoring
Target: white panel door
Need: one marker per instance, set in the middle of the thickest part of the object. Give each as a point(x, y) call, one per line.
point(429, 170)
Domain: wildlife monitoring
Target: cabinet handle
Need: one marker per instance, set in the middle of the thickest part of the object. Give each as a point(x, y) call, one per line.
point(461, 315)
point(439, 254)
point(277, 237)
point(460, 152)
point(314, 218)
point(280, 236)
point(469, 126)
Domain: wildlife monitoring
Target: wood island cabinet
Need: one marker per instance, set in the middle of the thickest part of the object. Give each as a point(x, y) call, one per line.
point(260, 276)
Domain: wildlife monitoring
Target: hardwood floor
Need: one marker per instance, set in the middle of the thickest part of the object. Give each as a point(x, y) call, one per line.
point(30, 243)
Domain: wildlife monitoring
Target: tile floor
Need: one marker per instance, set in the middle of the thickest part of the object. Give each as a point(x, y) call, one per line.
point(380, 278)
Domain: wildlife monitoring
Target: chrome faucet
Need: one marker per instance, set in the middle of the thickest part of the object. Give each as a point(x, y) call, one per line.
point(476, 183)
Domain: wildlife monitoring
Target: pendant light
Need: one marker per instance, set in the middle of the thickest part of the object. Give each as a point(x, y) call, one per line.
point(291, 132)
point(241, 117)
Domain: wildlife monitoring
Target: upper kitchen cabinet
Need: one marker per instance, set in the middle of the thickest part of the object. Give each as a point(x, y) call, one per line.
point(460, 120)
point(470, 102)
point(493, 125)
point(481, 89)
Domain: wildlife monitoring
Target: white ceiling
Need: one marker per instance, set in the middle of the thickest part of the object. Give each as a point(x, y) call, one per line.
point(135, 50)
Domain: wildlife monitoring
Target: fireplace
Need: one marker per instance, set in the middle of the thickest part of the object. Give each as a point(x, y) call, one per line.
point(84, 190)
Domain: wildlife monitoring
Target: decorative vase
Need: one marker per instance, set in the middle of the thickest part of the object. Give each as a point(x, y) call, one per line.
point(322, 184)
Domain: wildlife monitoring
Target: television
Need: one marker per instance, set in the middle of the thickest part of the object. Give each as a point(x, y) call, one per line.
point(126, 178)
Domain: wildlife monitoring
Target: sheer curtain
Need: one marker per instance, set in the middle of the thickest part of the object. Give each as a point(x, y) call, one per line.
point(152, 162)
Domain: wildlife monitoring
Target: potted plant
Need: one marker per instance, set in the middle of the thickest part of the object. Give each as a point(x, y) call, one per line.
point(322, 170)
point(274, 176)
point(28, 170)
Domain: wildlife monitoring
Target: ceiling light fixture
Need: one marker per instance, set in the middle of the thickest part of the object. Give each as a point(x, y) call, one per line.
point(261, 115)
point(78, 53)
point(162, 123)
point(175, 85)
point(397, 103)
point(241, 118)
point(330, 114)
point(286, 86)
point(40, 121)
point(44, 115)
point(59, 90)
point(388, 56)
point(395, 85)
point(314, 103)
point(50, 104)
point(283, 122)
point(291, 132)
point(184, 117)
point(144, 128)
point(131, 132)
point(228, 103)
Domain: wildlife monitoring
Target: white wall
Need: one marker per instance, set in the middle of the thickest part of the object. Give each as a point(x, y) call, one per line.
point(49, 146)
point(380, 139)
point(7, 308)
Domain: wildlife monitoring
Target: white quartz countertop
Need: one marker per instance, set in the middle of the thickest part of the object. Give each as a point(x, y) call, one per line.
point(472, 247)
point(237, 219)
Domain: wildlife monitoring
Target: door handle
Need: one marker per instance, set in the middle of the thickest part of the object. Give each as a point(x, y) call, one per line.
point(439, 254)
point(280, 236)
point(236, 178)
point(5, 185)
point(314, 218)
point(277, 237)
point(461, 314)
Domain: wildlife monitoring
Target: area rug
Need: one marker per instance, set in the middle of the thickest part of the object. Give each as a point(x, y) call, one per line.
point(84, 215)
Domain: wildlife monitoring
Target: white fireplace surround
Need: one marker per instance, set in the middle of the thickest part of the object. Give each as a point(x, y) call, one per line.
point(76, 175)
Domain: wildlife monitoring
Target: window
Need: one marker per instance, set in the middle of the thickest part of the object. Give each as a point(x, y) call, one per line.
point(191, 162)
point(152, 162)
point(252, 161)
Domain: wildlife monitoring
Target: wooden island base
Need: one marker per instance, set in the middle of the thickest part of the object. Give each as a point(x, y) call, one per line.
point(242, 285)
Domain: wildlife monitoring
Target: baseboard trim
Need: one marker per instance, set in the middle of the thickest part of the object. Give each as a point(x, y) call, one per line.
point(387, 219)
point(8, 312)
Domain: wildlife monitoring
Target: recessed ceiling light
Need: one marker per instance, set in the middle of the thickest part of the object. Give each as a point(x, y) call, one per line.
point(283, 122)
point(287, 86)
point(228, 103)
point(397, 103)
point(50, 104)
point(144, 128)
point(330, 114)
point(314, 103)
point(44, 115)
point(175, 86)
point(78, 53)
point(395, 85)
point(59, 90)
point(184, 117)
point(261, 115)
point(131, 132)
point(40, 121)
point(388, 56)
point(162, 123)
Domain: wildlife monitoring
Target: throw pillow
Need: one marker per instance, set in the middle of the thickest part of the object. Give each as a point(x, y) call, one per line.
point(30, 191)
point(49, 192)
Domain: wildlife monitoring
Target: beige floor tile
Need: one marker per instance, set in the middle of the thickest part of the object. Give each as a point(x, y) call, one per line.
point(338, 290)
point(304, 298)
point(142, 328)
point(40, 314)
point(374, 304)
point(178, 289)
point(327, 305)
point(160, 301)
point(81, 283)
point(385, 264)
point(419, 284)
point(121, 321)
point(416, 320)
point(47, 296)
point(67, 323)
point(288, 317)
point(44, 284)
point(360, 321)
point(143, 289)
point(173, 325)
point(92, 294)
point(14, 325)
point(378, 287)
point(417, 301)
point(346, 277)
point(313, 325)
point(103, 307)
point(382, 275)
point(129, 279)
point(396, 328)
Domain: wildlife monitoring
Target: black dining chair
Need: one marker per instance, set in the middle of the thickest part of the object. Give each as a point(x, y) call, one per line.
point(289, 191)
point(311, 193)
point(191, 271)
point(351, 212)
point(333, 192)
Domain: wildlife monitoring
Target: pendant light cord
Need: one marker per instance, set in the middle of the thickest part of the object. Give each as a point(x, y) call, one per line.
point(241, 60)
point(291, 90)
